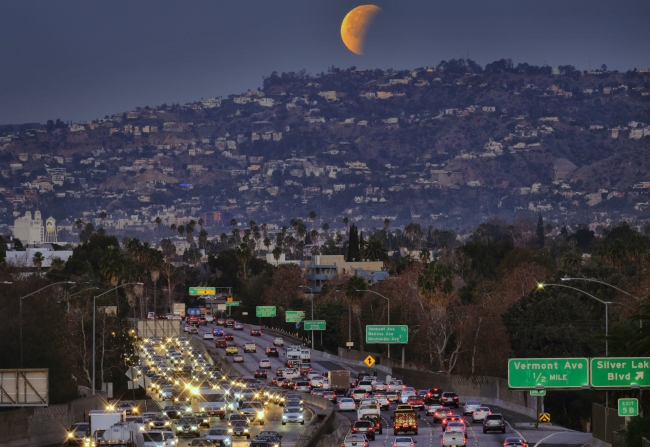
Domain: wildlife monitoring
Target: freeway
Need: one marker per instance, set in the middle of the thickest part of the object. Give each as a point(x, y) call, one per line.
point(429, 434)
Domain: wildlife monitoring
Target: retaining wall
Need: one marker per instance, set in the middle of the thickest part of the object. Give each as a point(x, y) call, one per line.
point(37, 426)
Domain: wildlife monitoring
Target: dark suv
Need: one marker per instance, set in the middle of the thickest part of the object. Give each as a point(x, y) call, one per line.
point(449, 399)
point(494, 422)
point(364, 427)
point(433, 395)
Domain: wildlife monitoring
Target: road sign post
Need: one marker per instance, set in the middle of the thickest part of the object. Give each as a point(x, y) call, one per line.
point(265, 311)
point(544, 417)
point(203, 290)
point(294, 316)
point(387, 334)
point(628, 407)
point(620, 372)
point(315, 325)
point(548, 373)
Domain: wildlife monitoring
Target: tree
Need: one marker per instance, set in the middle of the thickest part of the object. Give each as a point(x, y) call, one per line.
point(277, 251)
point(425, 254)
point(353, 244)
point(374, 250)
point(540, 231)
point(346, 222)
point(37, 260)
point(312, 216)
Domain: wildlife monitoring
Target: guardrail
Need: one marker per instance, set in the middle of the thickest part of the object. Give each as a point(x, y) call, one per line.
point(321, 426)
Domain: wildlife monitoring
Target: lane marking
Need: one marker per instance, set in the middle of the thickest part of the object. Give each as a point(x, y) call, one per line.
point(544, 439)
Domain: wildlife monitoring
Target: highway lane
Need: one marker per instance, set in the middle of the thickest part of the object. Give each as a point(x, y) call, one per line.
point(429, 433)
point(273, 420)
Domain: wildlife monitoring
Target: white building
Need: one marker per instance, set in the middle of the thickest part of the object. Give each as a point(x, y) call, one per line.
point(28, 230)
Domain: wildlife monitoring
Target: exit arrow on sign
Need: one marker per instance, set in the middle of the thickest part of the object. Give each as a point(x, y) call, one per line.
point(639, 375)
point(619, 372)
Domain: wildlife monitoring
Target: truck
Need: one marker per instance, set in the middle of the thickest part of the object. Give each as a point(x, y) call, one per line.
point(339, 381)
point(213, 402)
point(122, 435)
point(405, 419)
point(103, 419)
point(179, 309)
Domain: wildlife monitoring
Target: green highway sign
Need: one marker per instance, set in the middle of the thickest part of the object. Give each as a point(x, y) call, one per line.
point(203, 291)
point(628, 407)
point(548, 373)
point(314, 325)
point(392, 334)
point(232, 303)
point(295, 316)
point(538, 392)
point(613, 372)
point(265, 311)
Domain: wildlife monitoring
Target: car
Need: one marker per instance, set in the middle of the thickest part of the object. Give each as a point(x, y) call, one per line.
point(218, 332)
point(254, 411)
point(279, 372)
point(256, 331)
point(249, 346)
point(287, 384)
point(433, 395)
point(355, 441)
point(186, 328)
point(272, 440)
point(480, 413)
point(174, 411)
point(514, 441)
point(404, 441)
point(317, 392)
point(221, 343)
point(202, 418)
point(416, 402)
point(238, 358)
point(395, 385)
point(329, 395)
point(188, 426)
point(194, 330)
point(129, 406)
point(229, 322)
point(302, 385)
point(382, 400)
point(260, 374)
point(238, 326)
point(379, 386)
point(457, 426)
point(160, 422)
point(229, 337)
point(364, 427)
point(316, 382)
point(449, 399)
point(493, 422)
point(221, 321)
point(77, 433)
point(292, 415)
point(272, 351)
point(278, 341)
point(358, 394)
point(430, 409)
point(405, 395)
point(232, 349)
point(441, 414)
point(239, 428)
point(234, 418)
point(266, 364)
point(205, 442)
point(347, 404)
point(208, 336)
point(470, 406)
point(453, 439)
point(451, 418)
point(392, 396)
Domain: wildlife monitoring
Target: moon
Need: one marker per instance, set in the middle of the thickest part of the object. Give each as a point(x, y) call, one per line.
point(355, 25)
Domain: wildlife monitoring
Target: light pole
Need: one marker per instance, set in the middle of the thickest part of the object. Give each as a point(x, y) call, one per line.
point(94, 318)
point(311, 291)
point(21, 312)
point(387, 299)
point(608, 285)
point(81, 291)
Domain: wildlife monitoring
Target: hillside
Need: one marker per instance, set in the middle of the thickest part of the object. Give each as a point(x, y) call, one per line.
point(449, 145)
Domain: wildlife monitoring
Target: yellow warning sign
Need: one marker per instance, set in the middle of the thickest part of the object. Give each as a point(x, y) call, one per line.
point(544, 417)
point(369, 361)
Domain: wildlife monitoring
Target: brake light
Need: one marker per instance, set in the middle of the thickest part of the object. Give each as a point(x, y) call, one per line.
point(354, 428)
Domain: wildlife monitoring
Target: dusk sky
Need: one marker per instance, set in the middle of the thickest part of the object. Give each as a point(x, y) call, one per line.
point(81, 60)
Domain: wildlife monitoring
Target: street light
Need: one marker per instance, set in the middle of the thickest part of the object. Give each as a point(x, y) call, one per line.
point(81, 291)
point(21, 312)
point(94, 318)
point(608, 285)
point(312, 314)
point(387, 299)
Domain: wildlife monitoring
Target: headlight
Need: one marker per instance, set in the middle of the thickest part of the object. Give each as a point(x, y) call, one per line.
point(245, 430)
point(260, 414)
point(70, 435)
point(167, 423)
point(230, 430)
point(284, 416)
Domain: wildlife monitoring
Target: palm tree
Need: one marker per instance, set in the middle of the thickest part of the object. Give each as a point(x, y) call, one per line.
point(312, 216)
point(201, 222)
point(346, 222)
point(257, 236)
point(267, 242)
point(424, 255)
point(112, 266)
point(314, 236)
point(277, 251)
point(79, 223)
point(181, 229)
point(102, 216)
point(172, 227)
point(243, 255)
point(373, 249)
point(265, 229)
point(223, 238)
point(37, 260)
point(57, 264)
point(326, 228)
point(233, 223)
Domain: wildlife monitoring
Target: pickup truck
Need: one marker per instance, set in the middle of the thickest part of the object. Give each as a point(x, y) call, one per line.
point(368, 410)
point(250, 347)
point(405, 420)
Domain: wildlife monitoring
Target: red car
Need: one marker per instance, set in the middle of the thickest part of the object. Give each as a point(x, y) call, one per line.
point(287, 383)
point(229, 337)
point(221, 343)
point(256, 331)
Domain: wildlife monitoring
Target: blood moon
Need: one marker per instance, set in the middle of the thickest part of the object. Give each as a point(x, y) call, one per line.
point(355, 26)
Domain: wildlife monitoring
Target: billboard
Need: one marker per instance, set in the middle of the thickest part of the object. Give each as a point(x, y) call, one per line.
point(24, 388)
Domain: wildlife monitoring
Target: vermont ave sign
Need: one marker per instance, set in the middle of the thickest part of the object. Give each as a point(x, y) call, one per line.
point(548, 373)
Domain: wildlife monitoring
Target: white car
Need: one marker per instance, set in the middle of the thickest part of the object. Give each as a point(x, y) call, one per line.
point(153, 439)
point(480, 413)
point(453, 439)
point(395, 385)
point(404, 396)
point(347, 404)
point(219, 434)
point(292, 415)
point(382, 400)
point(368, 410)
point(290, 373)
point(404, 442)
point(429, 409)
point(170, 438)
point(316, 382)
point(456, 426)
point(312, 374)
point(265, 364)
point(355, 441)
point(208, 336)
point(278, 341)
point(470, 407)
point(186, 328)
point(379, 386)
